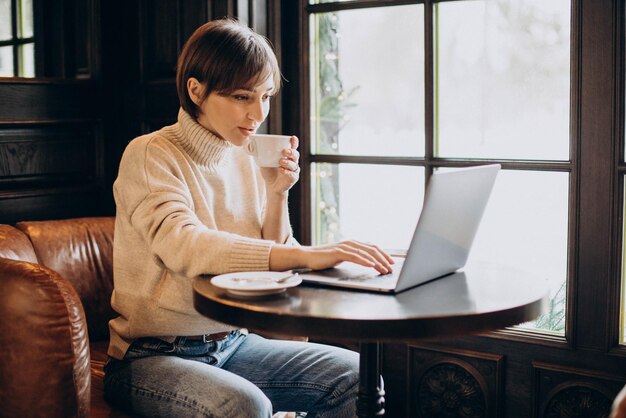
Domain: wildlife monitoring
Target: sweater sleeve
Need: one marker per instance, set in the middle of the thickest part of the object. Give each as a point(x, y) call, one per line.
point(152, 193)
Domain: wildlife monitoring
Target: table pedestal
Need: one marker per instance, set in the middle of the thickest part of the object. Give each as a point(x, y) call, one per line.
point(371, 397)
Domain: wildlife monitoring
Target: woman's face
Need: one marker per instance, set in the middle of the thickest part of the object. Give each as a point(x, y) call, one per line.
point(238, 115)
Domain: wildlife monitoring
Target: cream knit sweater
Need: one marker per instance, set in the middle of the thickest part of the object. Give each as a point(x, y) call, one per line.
point(188, 203)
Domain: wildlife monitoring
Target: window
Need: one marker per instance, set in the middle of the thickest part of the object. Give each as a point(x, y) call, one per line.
point(349, 118)
point(399, 90)
point(17, 41)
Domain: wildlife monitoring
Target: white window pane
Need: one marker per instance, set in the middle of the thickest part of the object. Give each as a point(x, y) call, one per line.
point(27, 60)
point(374, 203)
point(368, 81)
point(5, 20)
point(25, 19)
point(503, 79)
point(6, 61)
point(525, 226)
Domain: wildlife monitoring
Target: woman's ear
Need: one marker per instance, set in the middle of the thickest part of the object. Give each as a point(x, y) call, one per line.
point(195, 90)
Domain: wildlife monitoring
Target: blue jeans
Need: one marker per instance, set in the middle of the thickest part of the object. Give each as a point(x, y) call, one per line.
point(241, 375)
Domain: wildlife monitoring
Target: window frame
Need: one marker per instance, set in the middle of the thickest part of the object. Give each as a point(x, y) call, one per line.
point(617, 306)
point(595, 157)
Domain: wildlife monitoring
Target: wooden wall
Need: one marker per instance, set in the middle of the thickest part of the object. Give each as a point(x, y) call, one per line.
point(51, 141)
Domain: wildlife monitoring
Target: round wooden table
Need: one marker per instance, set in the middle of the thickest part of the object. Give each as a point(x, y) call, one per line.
point(481, 298)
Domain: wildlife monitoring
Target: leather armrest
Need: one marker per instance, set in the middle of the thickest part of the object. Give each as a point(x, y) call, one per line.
point(15, 245)
point(44, 347)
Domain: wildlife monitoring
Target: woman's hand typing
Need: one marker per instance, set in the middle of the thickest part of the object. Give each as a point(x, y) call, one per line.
point(325, 256)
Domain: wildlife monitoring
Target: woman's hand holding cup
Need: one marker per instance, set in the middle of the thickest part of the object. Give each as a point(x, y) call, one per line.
point(278, 157)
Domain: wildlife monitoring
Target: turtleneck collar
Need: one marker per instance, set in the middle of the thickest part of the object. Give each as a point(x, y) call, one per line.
point(203, 147)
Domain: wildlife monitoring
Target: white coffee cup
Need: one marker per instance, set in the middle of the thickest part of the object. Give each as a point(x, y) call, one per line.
point(267, 150)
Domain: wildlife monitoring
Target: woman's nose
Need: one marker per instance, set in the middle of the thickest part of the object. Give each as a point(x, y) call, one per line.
point(257, 111)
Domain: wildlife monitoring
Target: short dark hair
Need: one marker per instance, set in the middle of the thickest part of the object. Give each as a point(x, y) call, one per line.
point(224, 55)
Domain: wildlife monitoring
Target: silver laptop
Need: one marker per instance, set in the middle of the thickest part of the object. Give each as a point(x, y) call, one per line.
point(454, 204)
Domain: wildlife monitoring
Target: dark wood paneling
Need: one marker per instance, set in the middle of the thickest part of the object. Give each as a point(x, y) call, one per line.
point(454, 383)
point(569, 391)
point(166, 25)
point(60, 152)
point(51, 139)
point(159, 44)
point(223, 8)
point(161, 100)
point(121, 92)
point(81, 25)
point(519, 396)
point(50, 39)
point(46, 170)
point(26, 101)
point(43, 204)
point(67, 38)
point(193, 14)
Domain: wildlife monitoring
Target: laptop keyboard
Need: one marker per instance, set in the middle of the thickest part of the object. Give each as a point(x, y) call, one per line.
point(364, 277)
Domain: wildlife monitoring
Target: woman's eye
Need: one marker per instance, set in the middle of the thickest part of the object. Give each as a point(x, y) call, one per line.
point(267, 97)
point(240, 97)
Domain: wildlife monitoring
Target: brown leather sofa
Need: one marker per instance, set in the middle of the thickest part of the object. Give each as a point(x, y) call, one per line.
point(56, 280)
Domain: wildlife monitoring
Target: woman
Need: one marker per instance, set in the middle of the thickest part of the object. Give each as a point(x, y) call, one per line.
point(190, 201)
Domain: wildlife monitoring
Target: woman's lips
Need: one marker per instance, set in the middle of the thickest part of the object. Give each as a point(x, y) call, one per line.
point(246, 131)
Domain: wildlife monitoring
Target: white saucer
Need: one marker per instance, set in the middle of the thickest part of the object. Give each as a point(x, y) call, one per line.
point(255, 283)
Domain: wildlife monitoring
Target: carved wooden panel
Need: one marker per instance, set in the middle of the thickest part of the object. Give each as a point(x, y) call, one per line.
point(454, 383)
point(567, 392)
